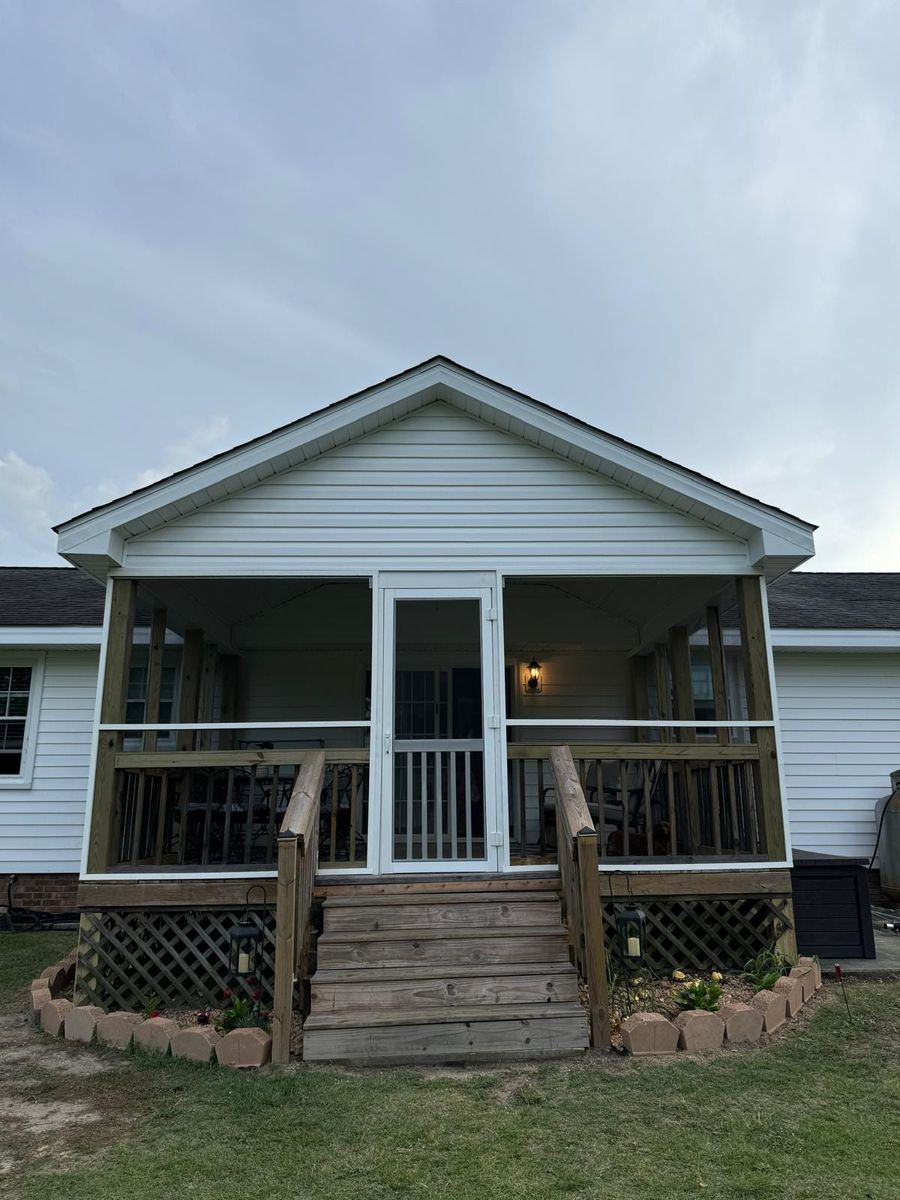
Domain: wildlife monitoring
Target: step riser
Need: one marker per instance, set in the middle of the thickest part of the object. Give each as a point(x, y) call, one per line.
point(474, 951)
point(485, 1041)
point(400, 995)
point(490, 915)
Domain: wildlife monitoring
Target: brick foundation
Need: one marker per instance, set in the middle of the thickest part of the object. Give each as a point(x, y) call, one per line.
point(47, 893)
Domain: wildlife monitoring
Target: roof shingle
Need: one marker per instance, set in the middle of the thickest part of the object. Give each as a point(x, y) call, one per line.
point(38, 596)
point(835, 600)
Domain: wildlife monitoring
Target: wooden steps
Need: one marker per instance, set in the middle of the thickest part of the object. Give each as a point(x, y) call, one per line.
point(421, 977)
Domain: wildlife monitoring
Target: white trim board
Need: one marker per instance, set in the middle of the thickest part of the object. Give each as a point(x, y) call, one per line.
point(50, 636)
point(836, 639)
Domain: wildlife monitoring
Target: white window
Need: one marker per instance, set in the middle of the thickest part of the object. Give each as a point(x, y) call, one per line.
point(20, 688)
point(136, 704)
point(136, 709)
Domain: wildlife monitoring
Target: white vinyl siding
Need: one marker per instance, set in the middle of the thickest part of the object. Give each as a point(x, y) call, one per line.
point(41, 825)
point(437, 489)
point(840, 734)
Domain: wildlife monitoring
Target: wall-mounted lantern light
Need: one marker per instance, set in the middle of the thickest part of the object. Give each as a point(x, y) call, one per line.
point(245, 942)
point(631, 925)
point(534, 680)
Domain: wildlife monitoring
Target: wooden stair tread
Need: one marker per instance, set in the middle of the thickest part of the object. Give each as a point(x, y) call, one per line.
point(489, 932)
point(361, 975)
point(438, 898)
point(425, 975)
point(462, 1015)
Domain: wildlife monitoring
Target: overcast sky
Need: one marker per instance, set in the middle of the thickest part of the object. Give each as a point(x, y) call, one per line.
point(678, 221)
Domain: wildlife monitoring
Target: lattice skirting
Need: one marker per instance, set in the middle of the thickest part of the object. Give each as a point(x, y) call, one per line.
point(703, 932)
point(176, 957)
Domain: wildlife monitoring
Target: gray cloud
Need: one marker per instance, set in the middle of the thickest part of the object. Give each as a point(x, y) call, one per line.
point(675, 221)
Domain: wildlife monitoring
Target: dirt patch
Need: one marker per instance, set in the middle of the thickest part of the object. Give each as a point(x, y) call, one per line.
point(50, 1108)
point(35, 1117)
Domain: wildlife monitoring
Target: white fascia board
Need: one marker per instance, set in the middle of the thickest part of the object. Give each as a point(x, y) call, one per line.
point(42, 637)
point(47, 637)
point(797, 535)
point(836, 639)
point(74, 535)
point(815, 639)
point(192, 488)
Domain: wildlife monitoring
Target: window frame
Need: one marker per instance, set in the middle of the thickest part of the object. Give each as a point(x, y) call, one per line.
point(16, 658)
point(171, 659)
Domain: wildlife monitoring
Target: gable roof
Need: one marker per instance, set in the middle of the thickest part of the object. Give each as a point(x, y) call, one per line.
point(49, 596)
point(97, 536)
point(835, 600)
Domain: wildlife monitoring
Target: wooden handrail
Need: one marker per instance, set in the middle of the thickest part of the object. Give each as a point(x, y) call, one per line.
point(304, 798)
point(236, 758)
point(580, 877)
point(635, 751)
point(298, 857)
point(572, 810)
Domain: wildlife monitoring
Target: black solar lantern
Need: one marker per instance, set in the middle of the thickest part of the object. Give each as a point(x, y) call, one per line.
point(245, 944)
point(631, 925)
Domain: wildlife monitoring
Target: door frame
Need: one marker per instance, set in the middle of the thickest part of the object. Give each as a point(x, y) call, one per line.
point(445, 585)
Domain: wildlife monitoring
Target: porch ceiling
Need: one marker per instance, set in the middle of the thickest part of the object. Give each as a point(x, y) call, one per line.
point(255, 613)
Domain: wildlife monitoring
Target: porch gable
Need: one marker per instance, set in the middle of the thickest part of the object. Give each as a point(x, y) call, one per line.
point(436, 489)
point(774, 541)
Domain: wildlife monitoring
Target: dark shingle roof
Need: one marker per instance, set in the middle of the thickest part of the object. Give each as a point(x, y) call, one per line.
point(835, 600)
point(49, 596)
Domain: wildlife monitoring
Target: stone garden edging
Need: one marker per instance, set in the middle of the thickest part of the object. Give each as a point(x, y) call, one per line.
point(695, 1030)
point(86, 1023)
point(643, 1033)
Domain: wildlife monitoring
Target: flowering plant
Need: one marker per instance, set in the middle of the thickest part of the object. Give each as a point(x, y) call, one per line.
point(240, 1013)
point(699, 993)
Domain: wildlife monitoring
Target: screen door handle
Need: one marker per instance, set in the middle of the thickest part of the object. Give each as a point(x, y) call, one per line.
point(387, 743)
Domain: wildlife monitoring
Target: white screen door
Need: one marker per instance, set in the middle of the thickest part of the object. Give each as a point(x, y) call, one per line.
point(440, 734)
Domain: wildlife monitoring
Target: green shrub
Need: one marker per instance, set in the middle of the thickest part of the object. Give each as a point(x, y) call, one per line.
point(766, 969)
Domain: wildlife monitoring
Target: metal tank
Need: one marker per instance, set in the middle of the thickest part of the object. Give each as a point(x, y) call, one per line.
point(887, 812)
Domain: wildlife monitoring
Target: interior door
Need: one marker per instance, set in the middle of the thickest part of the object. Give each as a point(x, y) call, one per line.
point(440, 730)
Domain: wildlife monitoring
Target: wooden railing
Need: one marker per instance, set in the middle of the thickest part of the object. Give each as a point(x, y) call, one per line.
point(580, 880)
point(652, 800)
point(223, 807)
point(298, 855)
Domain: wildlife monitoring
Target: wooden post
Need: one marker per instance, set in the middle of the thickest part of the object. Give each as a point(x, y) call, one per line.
point(189, 695)
point(717, 670)
point(682, 684)
point(207, 695)
point(663, 695)
point(580, 874)
point(113, 701)
point(228, 703)
point(286, 951)
point(786, 942)
point(683, 710)
point(154, 675)
point(298, 858)
point(758, 683)
point(639, 697)
point(594, 940)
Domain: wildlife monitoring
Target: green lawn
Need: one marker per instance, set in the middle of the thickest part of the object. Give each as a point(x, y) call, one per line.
point(813, 1116)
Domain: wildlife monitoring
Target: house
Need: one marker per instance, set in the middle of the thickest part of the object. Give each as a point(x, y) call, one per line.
point(836, 641)
point(51, 626)
point(421, 653)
